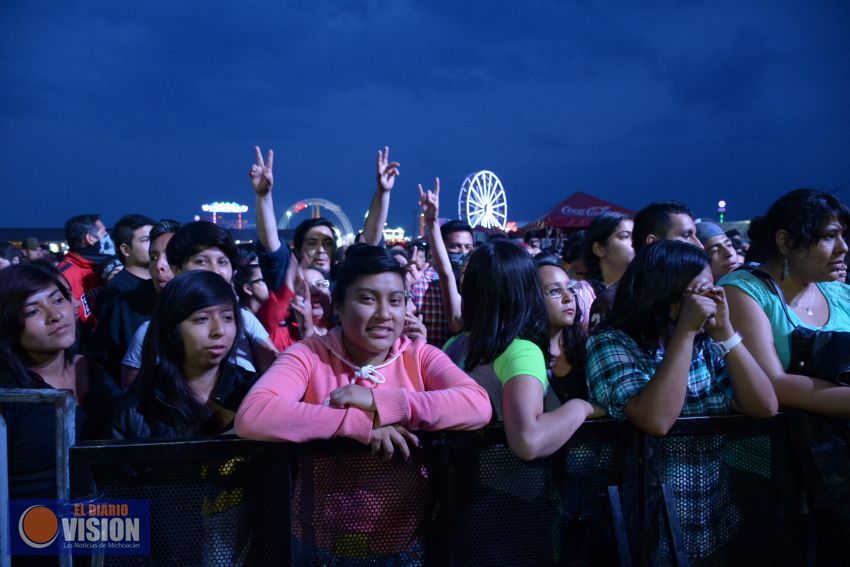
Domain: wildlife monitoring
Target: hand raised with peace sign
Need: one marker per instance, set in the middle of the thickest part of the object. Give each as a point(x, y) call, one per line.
point(430, 202)
point(387, 171)
point(261, 173)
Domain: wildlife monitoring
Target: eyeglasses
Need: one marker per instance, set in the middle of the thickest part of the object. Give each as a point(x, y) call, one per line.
point(558, 293)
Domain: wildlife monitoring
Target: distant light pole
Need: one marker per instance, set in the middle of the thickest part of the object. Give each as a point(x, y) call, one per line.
point(721, 209)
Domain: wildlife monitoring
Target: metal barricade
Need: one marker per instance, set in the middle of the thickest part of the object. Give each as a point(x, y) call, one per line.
point(721, 490)
point(611, 496)
point(65, 412)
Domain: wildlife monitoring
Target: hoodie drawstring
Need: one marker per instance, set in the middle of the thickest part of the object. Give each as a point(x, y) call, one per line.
point(367, 371)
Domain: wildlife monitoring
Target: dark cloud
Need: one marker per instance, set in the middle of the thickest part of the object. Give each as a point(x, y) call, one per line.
point(155, 106)
point(728, 79)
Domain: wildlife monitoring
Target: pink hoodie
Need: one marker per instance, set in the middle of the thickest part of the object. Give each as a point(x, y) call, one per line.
point(340, 499)
point(418, 387)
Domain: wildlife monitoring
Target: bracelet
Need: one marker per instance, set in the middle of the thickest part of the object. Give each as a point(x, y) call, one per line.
point(726, 346)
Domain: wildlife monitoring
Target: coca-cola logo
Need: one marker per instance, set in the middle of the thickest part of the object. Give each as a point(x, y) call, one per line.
point(588, 212)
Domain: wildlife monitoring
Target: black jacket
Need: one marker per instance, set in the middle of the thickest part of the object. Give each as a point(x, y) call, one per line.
point(125, 303)
point(147, 411)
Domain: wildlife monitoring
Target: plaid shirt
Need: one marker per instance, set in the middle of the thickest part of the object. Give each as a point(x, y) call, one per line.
point(618, 370)
point(428, 298)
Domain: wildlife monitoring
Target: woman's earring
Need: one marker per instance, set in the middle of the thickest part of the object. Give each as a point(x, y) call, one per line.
point(786, 271)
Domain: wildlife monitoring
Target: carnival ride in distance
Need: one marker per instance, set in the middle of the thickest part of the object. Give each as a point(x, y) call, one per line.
point(344, 230)
point(482, 201)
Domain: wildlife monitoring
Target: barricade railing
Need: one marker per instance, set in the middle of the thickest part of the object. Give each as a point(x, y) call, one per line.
point(734, 490)
point(711, 492)
point(65, 416)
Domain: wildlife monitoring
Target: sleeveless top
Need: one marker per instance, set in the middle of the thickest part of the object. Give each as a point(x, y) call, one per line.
point(837, 296)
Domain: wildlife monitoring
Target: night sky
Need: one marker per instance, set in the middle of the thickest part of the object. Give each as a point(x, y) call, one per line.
point(154, 107)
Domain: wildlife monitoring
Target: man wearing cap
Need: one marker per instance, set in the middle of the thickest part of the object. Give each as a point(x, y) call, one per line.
point(33, 250)
point(718, 246)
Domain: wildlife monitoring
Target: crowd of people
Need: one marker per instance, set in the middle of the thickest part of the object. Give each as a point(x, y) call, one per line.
point(169, 329)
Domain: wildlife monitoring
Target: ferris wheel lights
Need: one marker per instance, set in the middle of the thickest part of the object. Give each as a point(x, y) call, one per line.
point(482, 201)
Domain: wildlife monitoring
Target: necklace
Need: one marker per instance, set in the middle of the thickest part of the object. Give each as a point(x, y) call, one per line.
point(811, 302)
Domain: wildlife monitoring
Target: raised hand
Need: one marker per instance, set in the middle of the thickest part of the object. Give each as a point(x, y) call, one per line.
point(411, 270)
point(302, 307)
point(414, 328)
point(261, 173)
point(386, 439)
point(430, 202)
point(387, 171)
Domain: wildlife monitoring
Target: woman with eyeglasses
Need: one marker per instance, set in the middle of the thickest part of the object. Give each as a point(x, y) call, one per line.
point(566, 370)
point(504, 346)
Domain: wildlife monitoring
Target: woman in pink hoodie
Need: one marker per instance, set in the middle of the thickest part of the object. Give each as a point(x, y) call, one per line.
point(366, 381)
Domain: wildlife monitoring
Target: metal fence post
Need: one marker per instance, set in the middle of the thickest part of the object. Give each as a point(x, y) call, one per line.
point(66, 410)
point(5, 557)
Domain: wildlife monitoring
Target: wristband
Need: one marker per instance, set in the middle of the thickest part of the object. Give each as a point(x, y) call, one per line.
point(726, 346)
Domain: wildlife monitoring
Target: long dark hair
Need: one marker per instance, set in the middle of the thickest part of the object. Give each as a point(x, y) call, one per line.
point(502, 301)
point(655, 280)
point(600, 230)
point(163, 352)
point(17, 284)
point(573, 338)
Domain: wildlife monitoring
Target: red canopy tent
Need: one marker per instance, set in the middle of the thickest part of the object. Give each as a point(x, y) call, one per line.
point(576, 211)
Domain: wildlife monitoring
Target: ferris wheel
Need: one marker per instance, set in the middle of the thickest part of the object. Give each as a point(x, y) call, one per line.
point(482, 201)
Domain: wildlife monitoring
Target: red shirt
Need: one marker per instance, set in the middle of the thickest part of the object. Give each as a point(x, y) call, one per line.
point(85, 282)
point(273, 315)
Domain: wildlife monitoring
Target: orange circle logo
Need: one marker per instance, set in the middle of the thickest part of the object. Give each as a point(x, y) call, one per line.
point(38, 526)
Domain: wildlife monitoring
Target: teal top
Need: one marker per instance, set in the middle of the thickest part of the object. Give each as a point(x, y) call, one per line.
point(837, 297)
